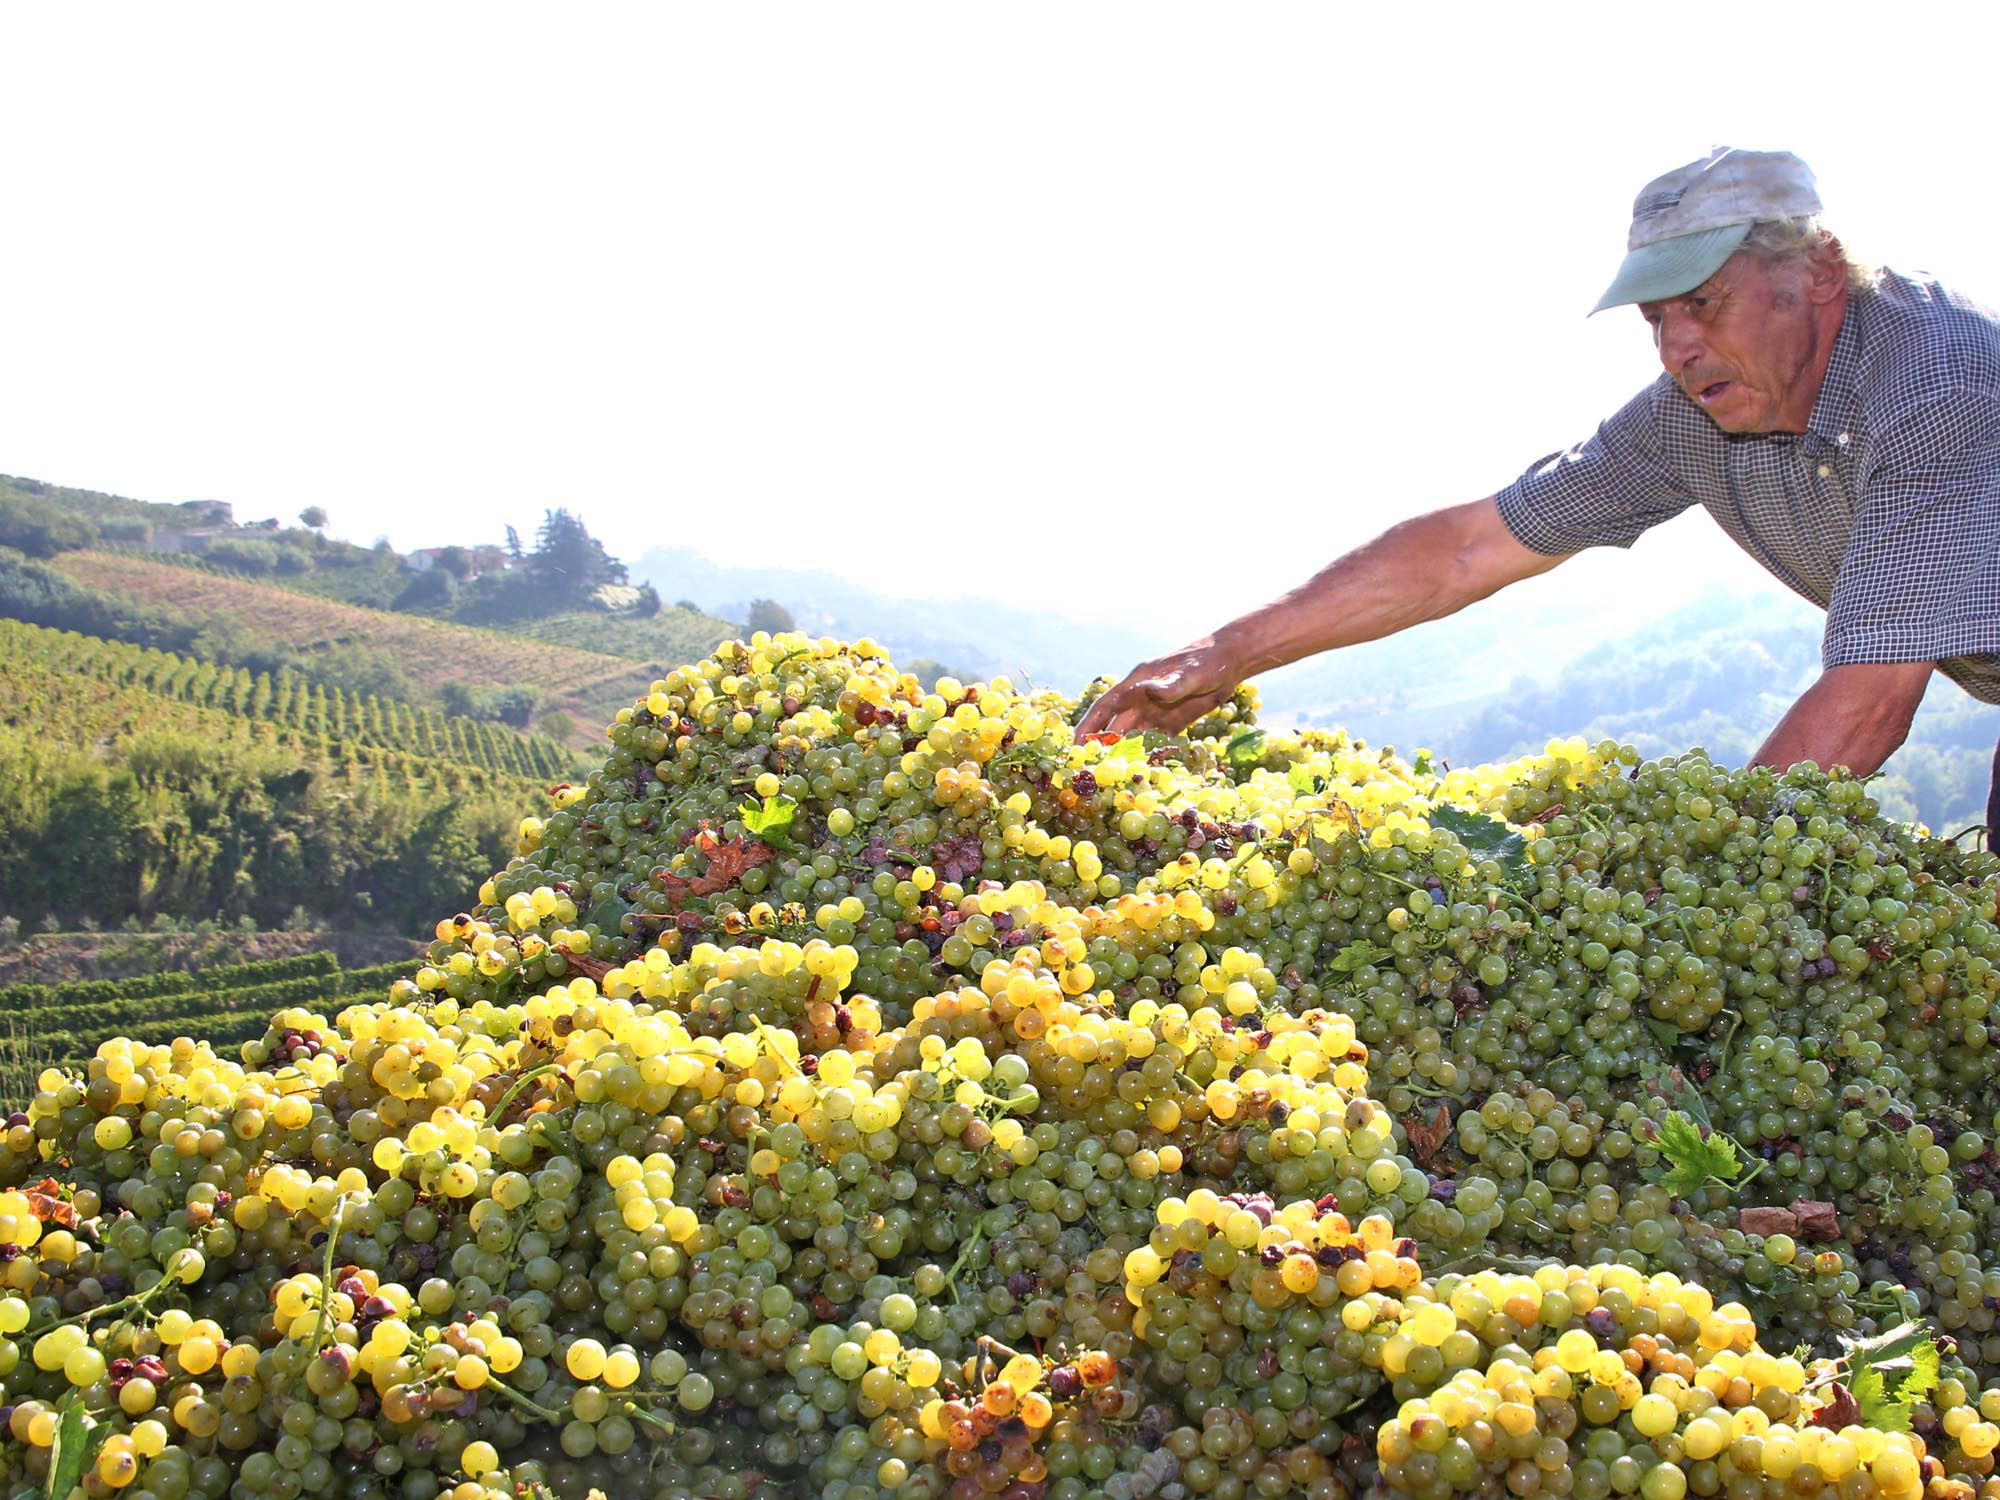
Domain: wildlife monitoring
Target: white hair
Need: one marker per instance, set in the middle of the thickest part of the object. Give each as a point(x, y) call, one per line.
point(1797, 239)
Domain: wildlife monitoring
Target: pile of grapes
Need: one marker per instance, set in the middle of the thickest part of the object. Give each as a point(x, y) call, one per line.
point(857, 1089)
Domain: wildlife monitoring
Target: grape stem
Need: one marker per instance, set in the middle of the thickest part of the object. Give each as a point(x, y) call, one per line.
point(552, 1417)
point(765, 1035)
point(325, 1287)
point(989, 1345)
point(644, 1414)
point(520, 1083)
point(136, 1301)
point(971, 1244)
point(1722, 1065)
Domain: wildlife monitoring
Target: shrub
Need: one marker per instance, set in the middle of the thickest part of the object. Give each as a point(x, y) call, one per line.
point(41, 529)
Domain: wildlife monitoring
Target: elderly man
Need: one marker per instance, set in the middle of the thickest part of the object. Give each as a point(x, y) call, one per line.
point(1841, 423)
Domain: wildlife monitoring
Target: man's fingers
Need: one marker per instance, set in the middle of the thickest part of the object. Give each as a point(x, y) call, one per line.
point(1114, 710)
point(1165, 695)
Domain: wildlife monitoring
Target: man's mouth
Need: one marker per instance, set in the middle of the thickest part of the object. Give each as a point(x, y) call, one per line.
point(1712, 392)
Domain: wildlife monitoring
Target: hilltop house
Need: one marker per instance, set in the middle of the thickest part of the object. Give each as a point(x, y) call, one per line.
point(205, 519)
point(478, 560)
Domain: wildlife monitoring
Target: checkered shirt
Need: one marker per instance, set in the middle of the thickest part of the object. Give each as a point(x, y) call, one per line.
point(1885, 511)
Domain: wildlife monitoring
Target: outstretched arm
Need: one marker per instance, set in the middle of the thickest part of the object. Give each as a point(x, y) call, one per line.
point(1422, 569)
point(1854, 716)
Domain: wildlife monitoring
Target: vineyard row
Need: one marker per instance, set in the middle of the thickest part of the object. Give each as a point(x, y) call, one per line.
point(289, 700)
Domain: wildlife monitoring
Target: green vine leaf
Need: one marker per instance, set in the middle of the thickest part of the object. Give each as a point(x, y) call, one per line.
point(607, 915)
point(1891, 1372)
point(772, 822)
point(75, 1448)
point(1485, 839)
point(1357, 955)
point(1245, 749)
point(1695, 1155)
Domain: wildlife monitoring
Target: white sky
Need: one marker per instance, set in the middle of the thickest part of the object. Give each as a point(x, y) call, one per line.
point(1132, 309)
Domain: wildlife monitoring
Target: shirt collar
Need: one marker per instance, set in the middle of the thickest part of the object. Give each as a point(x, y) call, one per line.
point(1838, 406)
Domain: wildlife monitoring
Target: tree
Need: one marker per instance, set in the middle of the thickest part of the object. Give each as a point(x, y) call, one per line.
point(313, 518)
point(456, 561)
point(513, 706)
point(41, 529)
point(434, 588)
point(769, 615)
point(648, 604)
point(568, 559)
point(514, 550)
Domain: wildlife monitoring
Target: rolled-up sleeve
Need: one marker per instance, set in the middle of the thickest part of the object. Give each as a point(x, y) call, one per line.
point(1605, 491)
point(1921, 577)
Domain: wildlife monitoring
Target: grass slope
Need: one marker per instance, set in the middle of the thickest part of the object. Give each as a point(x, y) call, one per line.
point(590, 686)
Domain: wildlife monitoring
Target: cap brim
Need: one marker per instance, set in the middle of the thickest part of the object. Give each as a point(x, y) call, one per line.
point(1667, 268)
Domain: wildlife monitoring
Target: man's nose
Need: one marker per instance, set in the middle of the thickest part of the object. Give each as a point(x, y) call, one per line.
point(1678, 340)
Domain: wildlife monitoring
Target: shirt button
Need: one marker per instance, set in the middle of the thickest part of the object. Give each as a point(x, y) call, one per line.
point(1843, 439)
point(1826, 471)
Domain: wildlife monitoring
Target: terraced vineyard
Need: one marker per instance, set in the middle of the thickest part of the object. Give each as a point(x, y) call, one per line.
point(287, 700)
point(87, 712)
point(588, 685)
point(120, 798)
point(63, 1024)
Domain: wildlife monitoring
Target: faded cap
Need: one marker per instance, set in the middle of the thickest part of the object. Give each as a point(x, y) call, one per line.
point(1687, 223)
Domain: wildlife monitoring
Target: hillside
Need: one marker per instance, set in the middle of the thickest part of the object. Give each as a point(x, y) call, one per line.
point(87, 676)
point(502, 589)
point(126, 796)
point(590, 686)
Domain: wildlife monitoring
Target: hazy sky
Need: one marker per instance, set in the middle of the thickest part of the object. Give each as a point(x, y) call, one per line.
point(1132, 309)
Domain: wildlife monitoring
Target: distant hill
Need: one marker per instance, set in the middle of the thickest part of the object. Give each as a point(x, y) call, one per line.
point(970, 635)
point(500, 589)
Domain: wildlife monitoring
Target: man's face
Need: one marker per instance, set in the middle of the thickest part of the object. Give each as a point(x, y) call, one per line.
point(1745, 345)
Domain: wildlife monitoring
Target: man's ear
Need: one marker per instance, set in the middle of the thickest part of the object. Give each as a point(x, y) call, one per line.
point(1826, 272)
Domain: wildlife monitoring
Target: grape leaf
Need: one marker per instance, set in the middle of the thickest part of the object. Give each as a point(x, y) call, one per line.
point(1243, 750)
point(773, 821)
point(1304, 781)
point(74, 1447)
point(1485, 839)
point(1132, 747)
point(1890, 1373)
point(1427, 1138)
point(726, 865)
point(1695, 1156)
point(1356, 955)
point(1667, 1083)
point(1889, 1345)
point(1926, 1365)
point(607, 915)
point(1878, 1407)
point(1422, 764)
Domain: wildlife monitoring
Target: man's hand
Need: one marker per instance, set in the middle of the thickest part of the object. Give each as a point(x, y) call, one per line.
point(1169, 692)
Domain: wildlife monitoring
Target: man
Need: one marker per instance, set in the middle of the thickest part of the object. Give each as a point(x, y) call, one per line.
point(1842, 424)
